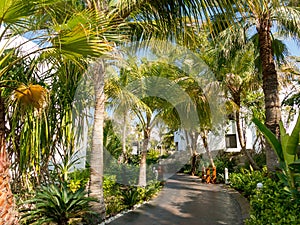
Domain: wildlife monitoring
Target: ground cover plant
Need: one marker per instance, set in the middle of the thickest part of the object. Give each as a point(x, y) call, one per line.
point(120, 197)
point(57, 204)
point(271, 204)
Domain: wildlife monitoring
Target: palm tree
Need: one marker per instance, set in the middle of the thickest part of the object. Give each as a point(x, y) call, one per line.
point(8, 211)
point(129, 94)
point(160, 19)
point(240, 79)
point(262, 15)
point(205, 121)
point(73, 40)
point(133, 9)
point(121, 100)
point(237, 76)
point(96, 158)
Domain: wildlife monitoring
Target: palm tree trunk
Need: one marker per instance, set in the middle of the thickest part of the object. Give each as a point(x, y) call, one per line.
point(143, 163)
point(96, 163)
point(194, 137)
point(188, 145)
point(124, 152)
point(270, 87)
point(241, 136)
point(205, 143)
point(8, 213)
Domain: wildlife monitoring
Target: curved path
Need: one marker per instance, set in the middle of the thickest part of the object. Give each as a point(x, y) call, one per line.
point(184, 200)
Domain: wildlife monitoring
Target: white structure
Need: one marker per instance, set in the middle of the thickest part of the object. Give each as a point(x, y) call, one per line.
point(226, 139)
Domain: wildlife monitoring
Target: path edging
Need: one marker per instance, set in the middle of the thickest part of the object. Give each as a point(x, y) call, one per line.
point(241, 200)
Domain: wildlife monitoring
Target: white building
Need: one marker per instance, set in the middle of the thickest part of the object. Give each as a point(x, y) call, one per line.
point(225, 139)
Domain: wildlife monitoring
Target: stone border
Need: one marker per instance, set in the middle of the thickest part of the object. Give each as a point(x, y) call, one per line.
point(244, 204)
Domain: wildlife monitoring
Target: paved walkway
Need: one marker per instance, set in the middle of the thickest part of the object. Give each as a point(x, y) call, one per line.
point(186, 201)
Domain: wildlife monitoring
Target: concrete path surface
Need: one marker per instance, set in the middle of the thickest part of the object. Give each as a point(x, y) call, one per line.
point(186, 201)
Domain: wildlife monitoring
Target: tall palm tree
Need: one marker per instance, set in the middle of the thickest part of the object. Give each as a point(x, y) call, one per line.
point(262, 15)
point(205, 121)
point(240, 79)
point(147, 19)
point(8, 211)
point(237, 75)
point(67, 34)
point(163, 19)
point(121, 100)
point(96, 161)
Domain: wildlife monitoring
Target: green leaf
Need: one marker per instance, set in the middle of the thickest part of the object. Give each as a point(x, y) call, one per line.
point(285, 138)
point(12, 11)
point(270, 137)
point(293, 142)
point(295, 166)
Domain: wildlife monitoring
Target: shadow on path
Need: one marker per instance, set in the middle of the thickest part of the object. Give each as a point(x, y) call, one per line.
point(184, 200)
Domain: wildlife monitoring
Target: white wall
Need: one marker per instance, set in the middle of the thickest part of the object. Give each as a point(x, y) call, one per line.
point(216, 140)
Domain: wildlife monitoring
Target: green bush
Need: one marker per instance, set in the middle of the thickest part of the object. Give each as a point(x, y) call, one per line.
point(225, 160)
point(185, 169)
point(78, 178)
point(152, 156)
point(57, 204)
point(119, 197)
point(133, 195)
point(273, 205)
point(270, 205)
point(112, 195)
point(246, 181)
point(222, 161)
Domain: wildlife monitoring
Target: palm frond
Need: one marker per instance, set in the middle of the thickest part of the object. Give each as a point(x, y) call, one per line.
point(12, 11)
point(57, 204)
point(32, 95)
point(280, 51)
point(288, 19)
point(75, 37)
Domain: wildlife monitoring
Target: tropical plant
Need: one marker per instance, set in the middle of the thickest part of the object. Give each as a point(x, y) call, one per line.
point(245, 181)
point(121, 99)
point(57, 204)
point(111, 141)
point(147, 20)
point(287, 152)
point(270, 204)
point(131, 196)
point(67, 34)
point(262, 15)
point(240, 78)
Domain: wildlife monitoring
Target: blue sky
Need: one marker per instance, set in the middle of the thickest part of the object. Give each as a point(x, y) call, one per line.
point(292, 47)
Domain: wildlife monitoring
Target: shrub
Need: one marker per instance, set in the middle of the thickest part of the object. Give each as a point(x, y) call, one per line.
point(119, 197)
point(273, 205)
point(222, 161)
point(152, 156)
point(131, 196)
point(185, 169)
point(246, 180)
point(57, 204)
point(78, 178)
point(151, 189)
point(112, 195)
point(270, 205)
